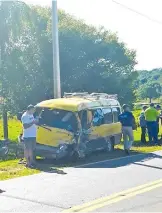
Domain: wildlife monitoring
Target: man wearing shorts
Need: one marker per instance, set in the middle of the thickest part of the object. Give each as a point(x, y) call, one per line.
point(29, 134)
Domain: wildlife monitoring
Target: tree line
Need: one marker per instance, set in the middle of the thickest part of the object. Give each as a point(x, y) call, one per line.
point(91, 59)
point(148, 84)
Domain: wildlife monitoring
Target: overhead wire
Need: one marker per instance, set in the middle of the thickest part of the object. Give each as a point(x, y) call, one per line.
point(138, 13)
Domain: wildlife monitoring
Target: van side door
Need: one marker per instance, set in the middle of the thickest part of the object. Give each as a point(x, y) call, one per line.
point(95, 131)
point(117, 129)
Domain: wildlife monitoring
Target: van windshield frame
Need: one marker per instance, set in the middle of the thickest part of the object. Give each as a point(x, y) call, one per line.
point(58, 118)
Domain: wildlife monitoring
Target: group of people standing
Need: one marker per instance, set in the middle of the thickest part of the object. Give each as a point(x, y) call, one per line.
point(149, 122)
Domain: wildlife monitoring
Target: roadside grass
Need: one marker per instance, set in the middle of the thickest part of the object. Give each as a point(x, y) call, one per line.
point(10, 168)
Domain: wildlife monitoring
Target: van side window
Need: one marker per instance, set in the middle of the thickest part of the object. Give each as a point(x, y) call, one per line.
point(116, 112)
point(98, 117)
point(108, 116)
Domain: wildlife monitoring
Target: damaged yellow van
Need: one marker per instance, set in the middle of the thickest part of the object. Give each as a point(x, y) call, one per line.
point(77, 125)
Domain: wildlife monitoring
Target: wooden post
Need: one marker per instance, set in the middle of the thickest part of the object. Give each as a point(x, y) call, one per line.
point(5, 123)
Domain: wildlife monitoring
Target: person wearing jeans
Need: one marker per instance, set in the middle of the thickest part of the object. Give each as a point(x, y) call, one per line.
point(127, 120)
point(128, 138)
point(151, 116)
point(158, 108)
point(143, 125)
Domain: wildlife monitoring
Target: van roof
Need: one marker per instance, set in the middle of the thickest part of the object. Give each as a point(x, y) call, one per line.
point(75, 104)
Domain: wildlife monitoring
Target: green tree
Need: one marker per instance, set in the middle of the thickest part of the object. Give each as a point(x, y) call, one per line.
point(9, 13)
point(149, 90)
point(17, 45)
point(91, 59)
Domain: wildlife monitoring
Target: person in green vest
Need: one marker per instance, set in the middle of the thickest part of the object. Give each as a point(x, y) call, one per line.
point(151, 116)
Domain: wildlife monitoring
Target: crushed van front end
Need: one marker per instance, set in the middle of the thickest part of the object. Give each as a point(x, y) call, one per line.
point(51, 152)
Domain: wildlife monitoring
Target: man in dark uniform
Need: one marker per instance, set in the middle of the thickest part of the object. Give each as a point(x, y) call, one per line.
point(127, 120)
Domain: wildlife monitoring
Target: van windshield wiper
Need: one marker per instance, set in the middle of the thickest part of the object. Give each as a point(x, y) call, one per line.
point(44, 126)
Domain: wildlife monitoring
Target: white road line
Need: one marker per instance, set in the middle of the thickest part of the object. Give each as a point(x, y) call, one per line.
point(114, 159)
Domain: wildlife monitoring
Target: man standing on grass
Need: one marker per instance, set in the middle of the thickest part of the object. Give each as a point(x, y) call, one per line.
point(151, 116)
point(127, 120)
point(143, 125)
point(158, 108)
point(29, 134)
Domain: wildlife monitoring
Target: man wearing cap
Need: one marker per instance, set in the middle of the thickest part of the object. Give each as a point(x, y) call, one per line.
point(29, 134)
point(127, 120)
point(151, 116)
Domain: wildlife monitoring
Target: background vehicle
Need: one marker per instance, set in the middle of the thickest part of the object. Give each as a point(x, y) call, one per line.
point(77, 125)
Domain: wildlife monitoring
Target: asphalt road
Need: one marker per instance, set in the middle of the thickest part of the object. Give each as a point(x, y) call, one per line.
point(55, 192)
point(147, 202)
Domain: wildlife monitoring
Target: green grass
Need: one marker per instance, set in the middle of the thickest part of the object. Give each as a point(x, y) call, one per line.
point(14, 129)
point(11, 169)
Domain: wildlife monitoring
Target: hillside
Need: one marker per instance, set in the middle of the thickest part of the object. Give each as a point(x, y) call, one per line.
point(145, 76)
point(148, 84)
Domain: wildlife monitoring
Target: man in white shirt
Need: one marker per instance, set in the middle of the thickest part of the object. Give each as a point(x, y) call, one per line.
point(29, 134)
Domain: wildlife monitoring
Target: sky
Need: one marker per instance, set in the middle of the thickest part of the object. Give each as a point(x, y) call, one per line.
point(137, 32)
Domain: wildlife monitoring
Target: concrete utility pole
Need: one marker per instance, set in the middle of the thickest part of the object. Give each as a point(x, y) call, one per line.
point(4, 111)
point(56, 60)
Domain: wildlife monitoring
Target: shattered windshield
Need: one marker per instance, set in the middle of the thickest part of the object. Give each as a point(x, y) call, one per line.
point(60, 119)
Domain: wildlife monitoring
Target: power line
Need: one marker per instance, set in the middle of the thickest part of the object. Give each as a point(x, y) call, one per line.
point(139, 13)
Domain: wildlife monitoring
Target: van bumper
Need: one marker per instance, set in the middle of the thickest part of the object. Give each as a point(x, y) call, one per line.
point(51, 152)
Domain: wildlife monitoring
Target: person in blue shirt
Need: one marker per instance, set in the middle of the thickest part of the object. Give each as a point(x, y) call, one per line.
point(128, 121)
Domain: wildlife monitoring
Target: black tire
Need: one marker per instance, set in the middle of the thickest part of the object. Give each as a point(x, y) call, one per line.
point(113, 143)
point(75, 157)
point(109, 145)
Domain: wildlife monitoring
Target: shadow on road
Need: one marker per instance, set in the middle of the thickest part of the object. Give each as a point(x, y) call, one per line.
point(1, 191)
point(153, 167)
point(49, 169)
point(94, 157)
point(132, 159)
point(98, 160)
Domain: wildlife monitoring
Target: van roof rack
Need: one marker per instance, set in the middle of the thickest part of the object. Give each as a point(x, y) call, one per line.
point(92, 95)
point(75, 94)
point(104, 95)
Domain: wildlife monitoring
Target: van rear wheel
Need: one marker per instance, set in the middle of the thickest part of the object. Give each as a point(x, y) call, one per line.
point(109, 145)
point(77, 155)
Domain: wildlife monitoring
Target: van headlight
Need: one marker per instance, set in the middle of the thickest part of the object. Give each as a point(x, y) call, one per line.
point(73, 141)
point(63, 147)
